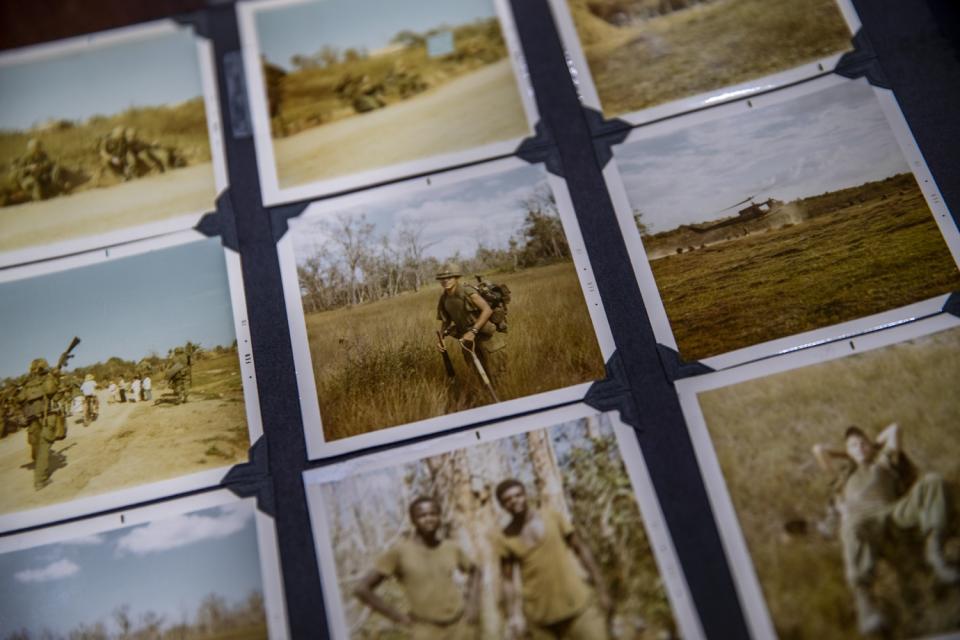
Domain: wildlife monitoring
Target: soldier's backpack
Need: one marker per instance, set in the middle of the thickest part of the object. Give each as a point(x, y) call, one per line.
point(498, 297)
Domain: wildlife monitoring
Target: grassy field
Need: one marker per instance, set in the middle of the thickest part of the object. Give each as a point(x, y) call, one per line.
point(376, 364)
point(74, 145)
point(860, 251)
point(316, 94)
point(646, 62)
point(763, 431)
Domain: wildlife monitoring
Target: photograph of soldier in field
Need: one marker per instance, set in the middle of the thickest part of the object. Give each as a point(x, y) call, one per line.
point(146, 386)
point(783, 218)
point(531, 535)
point(861, 538)
point(187, 575)
point(643, 53)
point(441, 299)
point(102, 135)
point(392, 82)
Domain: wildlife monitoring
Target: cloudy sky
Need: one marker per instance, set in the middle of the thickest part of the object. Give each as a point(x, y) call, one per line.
point(128, 307)
point(454, 217)
point(824, 141)
point(368, 24)
point(166, 566)
point(104, 80)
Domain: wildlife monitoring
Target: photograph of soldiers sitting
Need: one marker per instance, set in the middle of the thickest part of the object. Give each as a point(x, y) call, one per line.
point(143, 399)
point(35, 176)
point(531, 536)
point(879, 490)
point(861, 539)
point(506, 319)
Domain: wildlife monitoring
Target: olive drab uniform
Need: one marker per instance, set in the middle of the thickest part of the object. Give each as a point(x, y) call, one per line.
point(33, 172)
point(113, 155)
point(458, 313)
point(178, 375)
point(42, 406)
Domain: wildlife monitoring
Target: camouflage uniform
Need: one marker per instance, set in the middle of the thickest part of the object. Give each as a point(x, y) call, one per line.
point(140, 158)
point(113, 155)
point(458, 314)
point(178, 374)
point(40, 400)
point(34, 171)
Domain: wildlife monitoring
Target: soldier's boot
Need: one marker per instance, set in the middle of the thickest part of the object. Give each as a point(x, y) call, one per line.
point(870, 620)
point(933, 554)
point(41, 465)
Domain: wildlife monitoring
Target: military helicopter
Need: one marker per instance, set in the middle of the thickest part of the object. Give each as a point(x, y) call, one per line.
point(753, 211)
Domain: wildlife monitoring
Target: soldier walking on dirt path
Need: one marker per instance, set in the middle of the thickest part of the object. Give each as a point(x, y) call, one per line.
point(178, 374)
point(465, 315)
point(42, 399)
point(878, 493)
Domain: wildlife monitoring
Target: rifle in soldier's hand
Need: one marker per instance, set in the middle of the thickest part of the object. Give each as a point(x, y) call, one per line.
point(66, 355)
point(447, 364)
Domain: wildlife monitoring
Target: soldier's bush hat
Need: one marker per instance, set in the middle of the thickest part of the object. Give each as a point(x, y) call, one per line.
point(449, 270)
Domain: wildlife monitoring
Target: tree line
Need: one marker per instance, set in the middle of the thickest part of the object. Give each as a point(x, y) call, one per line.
point(355, 265)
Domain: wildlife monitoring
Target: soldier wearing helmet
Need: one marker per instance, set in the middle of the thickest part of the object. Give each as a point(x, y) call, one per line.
point(34, 171)
point(465, 315)
point(140, 156)
point(113, 155)
point(178, 374)
point(41, 399)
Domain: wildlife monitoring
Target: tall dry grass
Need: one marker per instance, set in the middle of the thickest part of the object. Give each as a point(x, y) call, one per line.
point(711, 45)
point(870, 251)
point(763, 431)
point(376, 364)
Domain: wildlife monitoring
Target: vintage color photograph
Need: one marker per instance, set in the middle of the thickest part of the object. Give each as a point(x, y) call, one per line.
point(773, 220)
point(440, 299)
point(117, 374)
point(534, 534)
point(643, 53)
point(188, 576)
point(845, 480)
point(102, 135)
point(352, 86)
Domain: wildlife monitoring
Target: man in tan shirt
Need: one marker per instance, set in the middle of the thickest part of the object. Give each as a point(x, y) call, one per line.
point(425, 566)
point(557, 601)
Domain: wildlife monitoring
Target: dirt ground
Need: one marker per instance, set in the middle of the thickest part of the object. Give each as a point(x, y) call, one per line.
point(130, 444)
point(476, 109)
point(95, 211)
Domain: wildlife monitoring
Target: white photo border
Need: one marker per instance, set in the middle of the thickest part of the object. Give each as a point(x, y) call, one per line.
point(644, 273)
point(269, 556)
point(211, 103)
point(661, 544)
point(274, 194)
point(735, 547)
point(317, 446)
point(589, 97)
point(208, 478)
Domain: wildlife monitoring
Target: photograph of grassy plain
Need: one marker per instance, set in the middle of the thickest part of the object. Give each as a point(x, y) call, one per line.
point(370, 300)
point(188, 576)
point(643, 53)
point(783, 219)
point(352, 86)
point(102, 136)
point(763, 430)
point(160, 320)
point(575, 468)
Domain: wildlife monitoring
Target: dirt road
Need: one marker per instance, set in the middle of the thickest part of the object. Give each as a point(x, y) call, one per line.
point(95, 211)
point(479, 108)
point(130, 444)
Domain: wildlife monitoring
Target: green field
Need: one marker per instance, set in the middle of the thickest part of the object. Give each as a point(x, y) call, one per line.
point(763, 431)
point(645, 61)
point(376, 364)
point(860, 251)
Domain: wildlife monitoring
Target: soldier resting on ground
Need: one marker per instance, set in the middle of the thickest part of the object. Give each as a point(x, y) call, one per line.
point(873, 497)
point(425, 565)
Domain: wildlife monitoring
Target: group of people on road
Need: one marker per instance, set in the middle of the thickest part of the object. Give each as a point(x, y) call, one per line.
point(136, 390)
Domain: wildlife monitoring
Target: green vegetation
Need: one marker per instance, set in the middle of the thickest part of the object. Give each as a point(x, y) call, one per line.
point(376, 365)
point(860, 251)
point(763, 431)
point(74, 145)
point(331, 84)
point(643, 53)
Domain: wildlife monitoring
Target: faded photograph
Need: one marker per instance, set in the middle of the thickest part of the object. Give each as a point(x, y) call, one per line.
point(783, 219)
point(845, 480)
point(536, 535)
point(102, 136)
point(117, 374)
point(643, 53)
point(440, 300)
point(357, 85)
point(189, 576)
